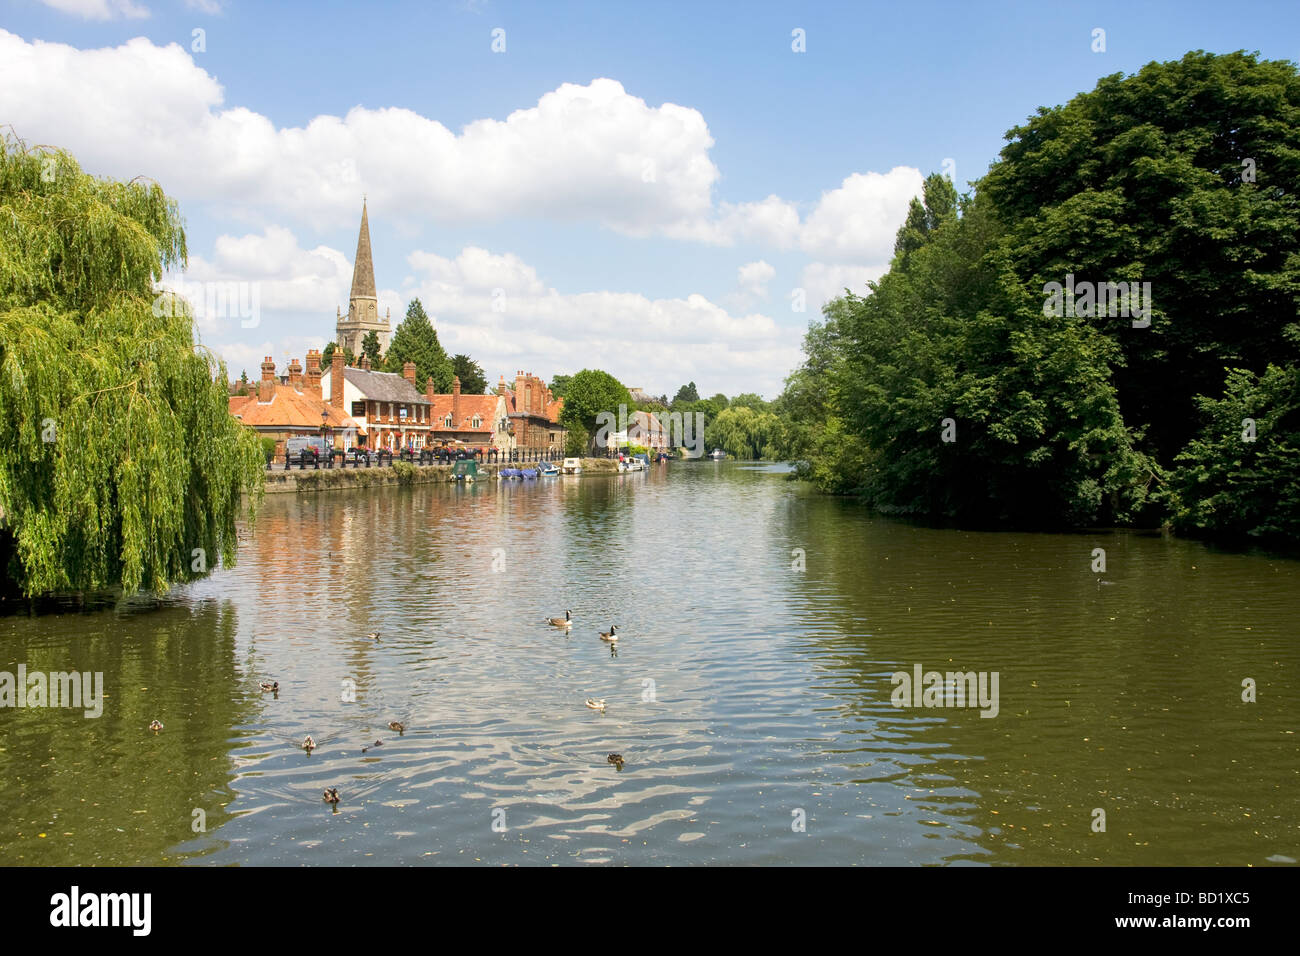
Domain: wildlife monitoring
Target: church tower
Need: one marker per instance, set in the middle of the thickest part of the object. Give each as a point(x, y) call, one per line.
point(363, 303)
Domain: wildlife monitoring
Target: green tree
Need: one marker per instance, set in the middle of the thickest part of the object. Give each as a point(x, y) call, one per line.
point(749, 400)
point(720, 400)
point(470, 373)
point(327, 356)
point(686, 395)
point(575, 442)
point(415, 340)
point(559, 384)
point(590, 393)
point(370, 349)
point(121, 465)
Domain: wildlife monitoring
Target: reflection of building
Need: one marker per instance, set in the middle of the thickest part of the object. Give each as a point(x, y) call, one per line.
point(295, 409)
point(363, 303)
point(387, 410)
point(479, 421)
point(533, 413)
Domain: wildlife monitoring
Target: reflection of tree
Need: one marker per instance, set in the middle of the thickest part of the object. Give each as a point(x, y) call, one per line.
point(86, 782)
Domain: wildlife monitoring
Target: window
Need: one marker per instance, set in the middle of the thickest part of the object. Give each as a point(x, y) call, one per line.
point(447, 421)
point(477, 421)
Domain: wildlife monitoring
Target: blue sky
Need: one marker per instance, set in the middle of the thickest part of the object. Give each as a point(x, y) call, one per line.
point(635, 187)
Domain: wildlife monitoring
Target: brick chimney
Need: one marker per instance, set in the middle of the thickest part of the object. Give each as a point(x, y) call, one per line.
point(295, 375)
point(408, 372)
point(365, 361)
point(455, 401)
point(311, 386)
point(266, 387)
point(336, 379)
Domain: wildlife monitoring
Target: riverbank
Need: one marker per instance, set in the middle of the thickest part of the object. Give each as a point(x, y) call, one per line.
point(298, 481)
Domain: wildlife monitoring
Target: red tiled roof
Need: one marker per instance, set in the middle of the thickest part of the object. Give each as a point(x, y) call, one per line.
point(287, 409)
point(485, 406)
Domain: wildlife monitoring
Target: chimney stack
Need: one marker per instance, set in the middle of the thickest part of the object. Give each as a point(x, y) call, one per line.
point(266, 387)
point(365, 361)
point(455, 401)
point(295, 375)
point(408, 372)
point(336, 379)
point(311, 386)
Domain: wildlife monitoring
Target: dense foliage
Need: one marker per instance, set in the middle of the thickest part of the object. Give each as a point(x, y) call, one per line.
point(121, 465)
point(588, 394)
point(416, 340)
point(470, 373)
point(952, 390)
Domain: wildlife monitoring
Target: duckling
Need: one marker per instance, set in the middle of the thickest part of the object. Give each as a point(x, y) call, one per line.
point(595, 704)
point(398, 726)
point(377, 743)
point(331, 795)
point(271, 685)
point(308, 744)
point(566, 621)
point(372, 636)
point(156, 726)
point(609, 635)
point(616, 760)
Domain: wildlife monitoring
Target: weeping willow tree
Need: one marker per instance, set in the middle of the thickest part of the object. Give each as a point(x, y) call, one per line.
point(120, 466)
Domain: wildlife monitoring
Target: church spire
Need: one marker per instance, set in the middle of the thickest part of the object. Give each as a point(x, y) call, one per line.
point(363, 268)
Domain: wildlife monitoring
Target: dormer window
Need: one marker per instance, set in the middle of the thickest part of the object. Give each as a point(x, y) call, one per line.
point(447, 421)
point(478, 422)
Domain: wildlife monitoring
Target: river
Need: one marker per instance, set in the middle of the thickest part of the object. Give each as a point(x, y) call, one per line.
point(749, 695)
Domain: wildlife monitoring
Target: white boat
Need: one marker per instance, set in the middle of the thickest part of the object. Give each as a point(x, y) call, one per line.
point(631, 464)
point(572, 466)
point(717, 454)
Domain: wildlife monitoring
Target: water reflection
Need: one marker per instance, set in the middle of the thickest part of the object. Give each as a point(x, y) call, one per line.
point(747, 696)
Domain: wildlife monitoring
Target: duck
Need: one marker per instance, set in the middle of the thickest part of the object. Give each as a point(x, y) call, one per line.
point(271, 685)
point(377, 743)
point(566, 621)
point(331, 795)
point(308, 744)
point(609, 635)
point(398, 726)
point(372, 636)
point(595, 704)
point(156, 726)
point(616, 760)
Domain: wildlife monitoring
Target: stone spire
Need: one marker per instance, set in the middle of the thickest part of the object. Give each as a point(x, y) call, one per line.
point(363, 268)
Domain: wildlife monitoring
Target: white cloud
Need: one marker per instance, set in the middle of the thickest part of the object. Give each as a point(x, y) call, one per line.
point(496, 308)
point(858, 221)
point(99, 9)
point(753, 277)
point(210, 7)
point(593, 153)
point(825, 281)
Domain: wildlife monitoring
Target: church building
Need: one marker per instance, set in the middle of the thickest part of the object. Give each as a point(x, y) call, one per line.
point(363, 303)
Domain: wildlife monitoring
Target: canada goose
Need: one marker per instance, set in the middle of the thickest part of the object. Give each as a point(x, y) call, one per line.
point(331, 795)
point(156, 726)
point(566, 621)
point(308, 744)
point(397, 726)
point(595, 704)
point(609, 635)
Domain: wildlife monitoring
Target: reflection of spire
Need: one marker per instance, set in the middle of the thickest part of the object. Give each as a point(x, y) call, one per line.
point(363, 269)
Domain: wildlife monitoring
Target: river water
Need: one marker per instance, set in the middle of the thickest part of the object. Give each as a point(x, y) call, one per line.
point(750, 693)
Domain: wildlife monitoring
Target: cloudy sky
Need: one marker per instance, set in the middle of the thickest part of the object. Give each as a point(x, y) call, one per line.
point(664, 192)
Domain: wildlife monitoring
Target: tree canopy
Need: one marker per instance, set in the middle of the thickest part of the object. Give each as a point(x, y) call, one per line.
point(685, 394)
point(415, 340)
point(121, 464)
point(470, 373)
point(953, 389)
point(589, 393)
